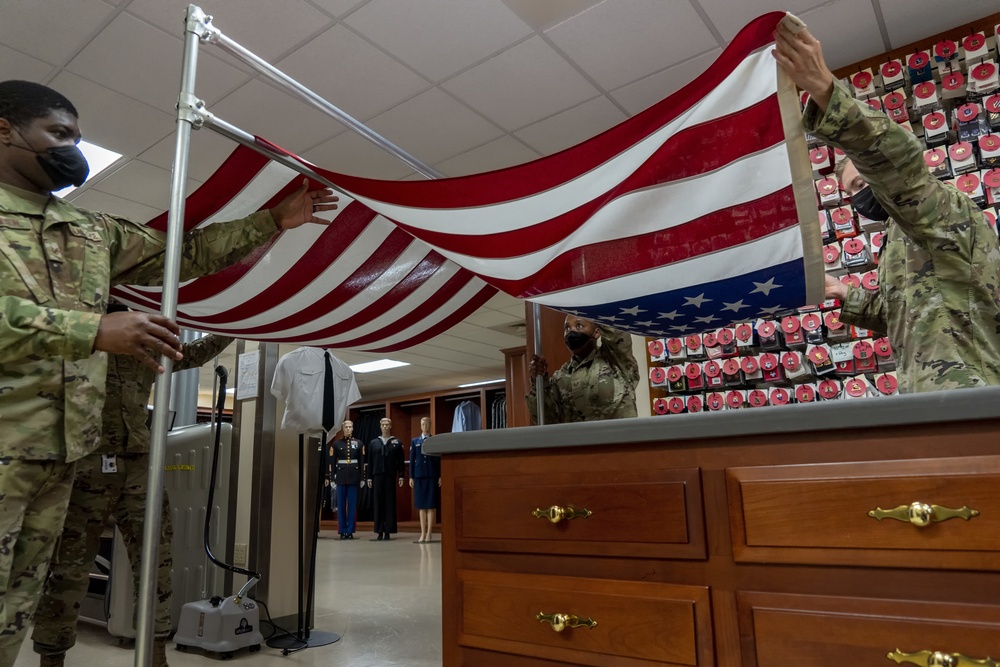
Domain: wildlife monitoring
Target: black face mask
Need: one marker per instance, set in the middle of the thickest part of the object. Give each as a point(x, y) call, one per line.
point(575, 340)
point(65, 165)
point(864, 202)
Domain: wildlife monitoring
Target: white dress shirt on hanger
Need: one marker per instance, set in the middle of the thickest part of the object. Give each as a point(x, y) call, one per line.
point(298, 380)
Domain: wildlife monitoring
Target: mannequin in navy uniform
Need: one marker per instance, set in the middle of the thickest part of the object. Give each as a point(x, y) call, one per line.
point(345, 471)
point(384, 472)
point(424, 470)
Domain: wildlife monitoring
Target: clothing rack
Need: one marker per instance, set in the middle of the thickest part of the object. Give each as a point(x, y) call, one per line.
point(461, 398)
point(414, 404)
point(192, 113)
point(374, 408)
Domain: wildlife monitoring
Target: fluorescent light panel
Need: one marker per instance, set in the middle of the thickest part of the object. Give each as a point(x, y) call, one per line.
point(98, 158)
point(380, 365)
point(476, 384)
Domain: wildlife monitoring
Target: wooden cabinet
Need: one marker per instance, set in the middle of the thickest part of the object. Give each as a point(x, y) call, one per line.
point(808, 631)
point(757, 549)
point(625, 621)
point(608, 514)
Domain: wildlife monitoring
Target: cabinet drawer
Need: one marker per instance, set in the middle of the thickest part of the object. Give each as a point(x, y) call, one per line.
point(640, 514)
point(808, 631)
point(636, 623)
point(820, 513)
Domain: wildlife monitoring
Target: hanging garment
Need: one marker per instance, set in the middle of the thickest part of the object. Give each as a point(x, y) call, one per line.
point(312, 381)
point(468, 417)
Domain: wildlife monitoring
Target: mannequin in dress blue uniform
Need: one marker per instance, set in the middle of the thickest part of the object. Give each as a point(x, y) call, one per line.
point(424, 470)
point(345, 471)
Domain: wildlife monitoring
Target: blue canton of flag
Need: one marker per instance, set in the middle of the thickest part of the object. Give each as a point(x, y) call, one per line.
point(698, 308)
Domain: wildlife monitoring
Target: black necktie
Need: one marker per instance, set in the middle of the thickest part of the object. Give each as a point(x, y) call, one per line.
point(329, 407)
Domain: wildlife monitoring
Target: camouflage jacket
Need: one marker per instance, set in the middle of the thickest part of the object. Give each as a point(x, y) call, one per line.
point(57, 263)
point(599, 386)
point(939, 271)
point(126, 407)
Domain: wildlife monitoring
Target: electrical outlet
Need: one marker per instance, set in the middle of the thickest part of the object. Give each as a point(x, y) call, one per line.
point(240, 554)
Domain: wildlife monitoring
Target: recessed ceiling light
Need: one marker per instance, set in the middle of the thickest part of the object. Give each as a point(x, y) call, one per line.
point(98, 158)
point(380, 365)
point(476, 384)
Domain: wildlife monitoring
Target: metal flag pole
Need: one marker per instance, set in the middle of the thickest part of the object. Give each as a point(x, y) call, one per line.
point(149, 562)
point(213, 35)
point(536, 315)
point(191, 113)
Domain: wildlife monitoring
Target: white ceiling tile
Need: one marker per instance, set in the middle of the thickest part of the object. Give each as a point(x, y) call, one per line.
point(573, 126)
point(206, 153)
point(446, 349)
point(17, 65)
point(95, 200)
point(266, 112)
point(352, 74)
point(522, 85)
point(151, 71)
point(433, 127)
point(616, 42)
point(350, 153)
point(504, 152)
point(646, 92)
point(544, 15)
point(484, 340)
point(142, 182)
point(500, 301)
point(488, 317)
point(910, 21)
point(51, 31)
point(269, 30)
point(848, 31)
point(729, 17)
point(112, 120)
point(439, 37)
point(337, 7)
point(519, 311)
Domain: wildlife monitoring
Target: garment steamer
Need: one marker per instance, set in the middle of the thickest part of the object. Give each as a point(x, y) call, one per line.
point(221, 625)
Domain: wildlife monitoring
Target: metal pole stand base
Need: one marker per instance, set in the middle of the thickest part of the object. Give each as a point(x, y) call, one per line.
point(315, 638)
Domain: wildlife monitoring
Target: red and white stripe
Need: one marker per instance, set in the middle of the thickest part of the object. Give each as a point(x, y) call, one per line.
point(696, 189)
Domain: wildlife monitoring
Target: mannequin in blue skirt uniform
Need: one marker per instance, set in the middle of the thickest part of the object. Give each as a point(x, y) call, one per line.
point(424, 472)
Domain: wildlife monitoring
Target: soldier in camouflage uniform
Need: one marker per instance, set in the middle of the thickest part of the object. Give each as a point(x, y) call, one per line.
point(939, 271)
point(111, 483)
point(57, 264)
point(598, 382)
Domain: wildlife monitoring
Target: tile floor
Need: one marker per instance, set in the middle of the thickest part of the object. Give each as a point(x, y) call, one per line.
point(388, 611)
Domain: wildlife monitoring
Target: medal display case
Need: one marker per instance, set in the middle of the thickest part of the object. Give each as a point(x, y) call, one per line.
point(946, 93)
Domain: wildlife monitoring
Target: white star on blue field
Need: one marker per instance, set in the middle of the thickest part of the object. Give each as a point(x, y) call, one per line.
point(705, 307)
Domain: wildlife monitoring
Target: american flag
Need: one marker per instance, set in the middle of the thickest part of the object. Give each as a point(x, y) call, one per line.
point(694, 214)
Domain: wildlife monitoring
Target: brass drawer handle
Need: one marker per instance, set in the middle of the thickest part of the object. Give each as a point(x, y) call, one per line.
point(921, 514)
point(562, 621)
point(555, 514)
point(939, 659)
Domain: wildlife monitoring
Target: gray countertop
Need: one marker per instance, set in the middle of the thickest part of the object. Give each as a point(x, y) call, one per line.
point(942, 406)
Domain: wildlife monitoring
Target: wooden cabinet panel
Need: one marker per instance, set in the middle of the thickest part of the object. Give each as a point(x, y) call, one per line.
point(808, 631)
point(820, 513)
point(637, 623)
point(648, 513)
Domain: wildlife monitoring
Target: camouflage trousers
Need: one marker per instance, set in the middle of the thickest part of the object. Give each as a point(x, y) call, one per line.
point(33, 499)
point(97, 496)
